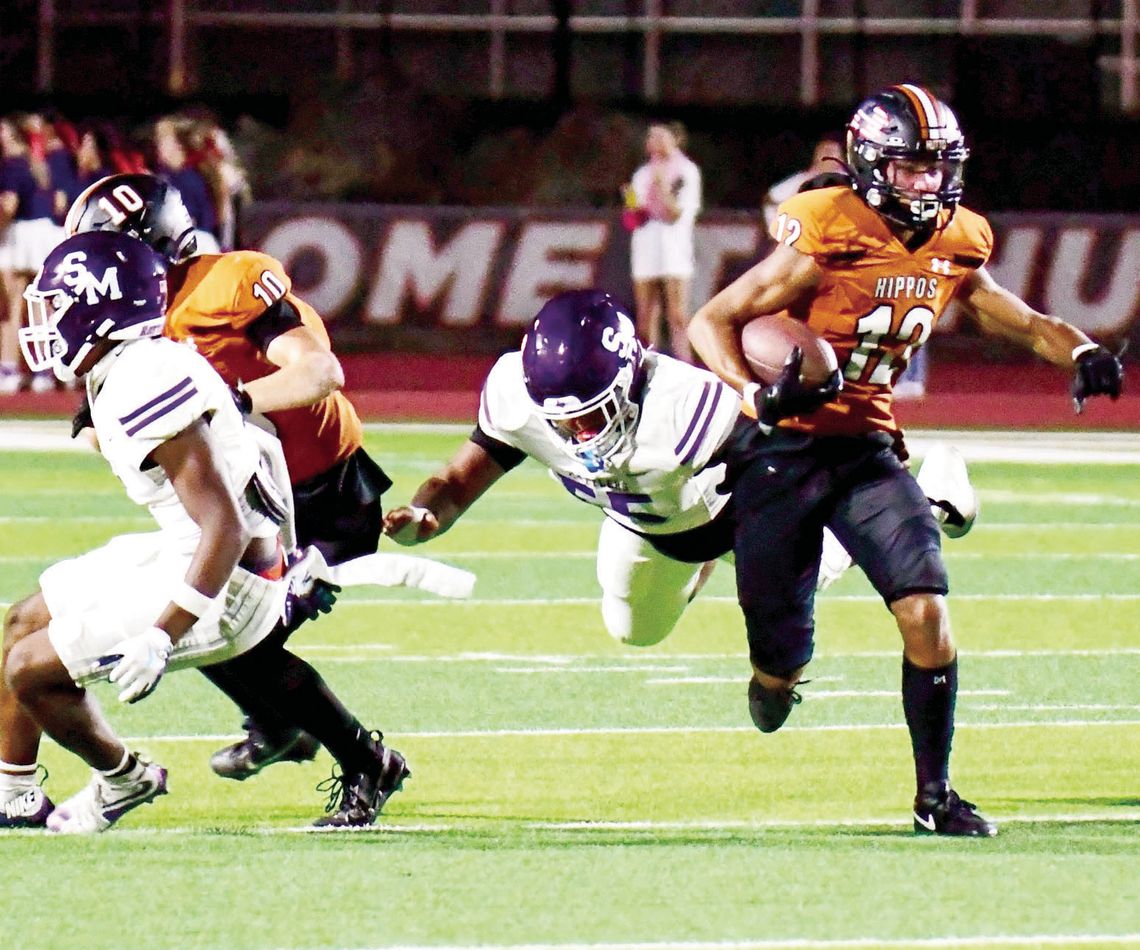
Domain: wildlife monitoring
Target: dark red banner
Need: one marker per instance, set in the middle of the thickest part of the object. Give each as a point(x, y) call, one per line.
point(467, 280)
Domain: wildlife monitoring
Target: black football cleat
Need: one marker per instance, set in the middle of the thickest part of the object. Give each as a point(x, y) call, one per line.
point(248, 756)
point(770, 708)
point(939, 811)
point(355, 801)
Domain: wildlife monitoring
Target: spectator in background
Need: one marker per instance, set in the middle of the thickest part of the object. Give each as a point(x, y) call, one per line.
point(217, 160)
point(29, 202)
point(171, 148)
point(92, 153)
point(59, 152)
point(827, 156)
point(662, 201)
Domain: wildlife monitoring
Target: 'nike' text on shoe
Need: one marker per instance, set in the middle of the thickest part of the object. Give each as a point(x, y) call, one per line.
point(29, 809)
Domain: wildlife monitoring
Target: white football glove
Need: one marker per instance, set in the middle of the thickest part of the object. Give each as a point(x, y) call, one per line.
point(833, 563)
point(142, 663)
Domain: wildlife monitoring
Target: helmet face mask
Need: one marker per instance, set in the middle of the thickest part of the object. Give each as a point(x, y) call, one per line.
point(144, 206)
point(906, 127)
point(92, 287)
point(581, 365)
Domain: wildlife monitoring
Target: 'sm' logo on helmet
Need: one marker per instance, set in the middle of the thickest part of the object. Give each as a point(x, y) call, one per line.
point(73, 272)
point(620, 340)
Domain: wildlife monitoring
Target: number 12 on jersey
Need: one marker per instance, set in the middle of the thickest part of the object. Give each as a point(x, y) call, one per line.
point(876, 358)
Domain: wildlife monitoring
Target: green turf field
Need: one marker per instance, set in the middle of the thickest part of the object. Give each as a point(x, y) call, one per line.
point(569, 792)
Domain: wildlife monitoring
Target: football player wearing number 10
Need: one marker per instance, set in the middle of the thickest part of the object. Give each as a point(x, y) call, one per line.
point(271, 347)
point(871, 266)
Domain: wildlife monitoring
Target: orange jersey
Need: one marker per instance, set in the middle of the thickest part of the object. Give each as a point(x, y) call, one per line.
point(214, 298)
point(877, 301)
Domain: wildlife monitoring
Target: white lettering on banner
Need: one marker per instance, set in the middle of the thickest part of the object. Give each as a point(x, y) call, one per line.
point(409, 263)
point(1112, 308)
point(337, 248)
point(1059, 265)
point(1012, 263)
point(551, 256)
point(716, 245)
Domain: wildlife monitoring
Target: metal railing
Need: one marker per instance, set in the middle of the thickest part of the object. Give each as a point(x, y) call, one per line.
point(181, 16)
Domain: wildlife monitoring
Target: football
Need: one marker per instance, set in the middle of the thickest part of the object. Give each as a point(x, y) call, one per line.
point(767, 342)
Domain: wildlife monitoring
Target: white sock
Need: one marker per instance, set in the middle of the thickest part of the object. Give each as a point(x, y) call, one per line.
point(128, 769)
point(16, 779)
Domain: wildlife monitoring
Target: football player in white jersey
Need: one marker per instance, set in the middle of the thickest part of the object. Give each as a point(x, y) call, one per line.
point(631, 431)
point(211, 584)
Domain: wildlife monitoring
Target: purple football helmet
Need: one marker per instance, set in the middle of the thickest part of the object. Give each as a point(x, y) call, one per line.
point(95, 286)
point(582, 367)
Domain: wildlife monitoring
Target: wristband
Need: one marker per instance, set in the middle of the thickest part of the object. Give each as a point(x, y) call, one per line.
point(192, 600)
point(1079, 351)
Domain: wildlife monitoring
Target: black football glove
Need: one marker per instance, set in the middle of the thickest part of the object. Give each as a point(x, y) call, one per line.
point(82, 419)
point(242, 399)
point(1098, 373)
point(791, 396)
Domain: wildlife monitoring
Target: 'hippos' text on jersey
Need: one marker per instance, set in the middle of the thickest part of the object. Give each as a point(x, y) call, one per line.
point(919, 288)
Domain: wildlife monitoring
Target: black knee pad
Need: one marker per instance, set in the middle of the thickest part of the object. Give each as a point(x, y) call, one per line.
point(778, 644)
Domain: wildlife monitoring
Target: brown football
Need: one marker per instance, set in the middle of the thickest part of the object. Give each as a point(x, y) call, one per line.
point(768, 341)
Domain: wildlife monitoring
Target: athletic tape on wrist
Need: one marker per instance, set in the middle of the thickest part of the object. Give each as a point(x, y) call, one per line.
point(190, 599)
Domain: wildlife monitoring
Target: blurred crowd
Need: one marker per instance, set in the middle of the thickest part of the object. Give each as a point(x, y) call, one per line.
point(46, 162)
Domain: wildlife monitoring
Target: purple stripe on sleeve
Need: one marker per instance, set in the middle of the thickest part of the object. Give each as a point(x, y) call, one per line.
point(155, 401)
point(693, 422)
point(717, 392)
point(163, 410)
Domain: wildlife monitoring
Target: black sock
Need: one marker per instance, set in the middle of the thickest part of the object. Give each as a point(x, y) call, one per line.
point(318, 711)
point(281, 692)
point(928, 703)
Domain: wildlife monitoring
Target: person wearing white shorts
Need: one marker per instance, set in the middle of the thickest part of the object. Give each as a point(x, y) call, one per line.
point(28, 232)
point(662, 202)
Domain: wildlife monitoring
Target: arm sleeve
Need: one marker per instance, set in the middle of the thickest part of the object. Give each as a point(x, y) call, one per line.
point(507, 456)
point(278, 319)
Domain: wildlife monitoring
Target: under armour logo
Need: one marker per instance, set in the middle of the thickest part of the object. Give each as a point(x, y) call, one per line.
point(939, 680)
point(940, 265)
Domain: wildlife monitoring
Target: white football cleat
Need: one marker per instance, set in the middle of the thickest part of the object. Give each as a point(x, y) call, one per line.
point(102, 802)
point(833, 563)
point(944, 479)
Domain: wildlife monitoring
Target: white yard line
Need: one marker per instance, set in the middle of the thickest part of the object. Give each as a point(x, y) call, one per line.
point(537, 733)
point(803, 943)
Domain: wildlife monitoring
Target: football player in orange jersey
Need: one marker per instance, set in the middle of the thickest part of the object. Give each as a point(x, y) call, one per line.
point(870, 266)
point(270, 346)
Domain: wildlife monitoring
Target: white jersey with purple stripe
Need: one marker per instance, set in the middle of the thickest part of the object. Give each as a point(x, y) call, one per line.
point(143, 394)
point(664, 486)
